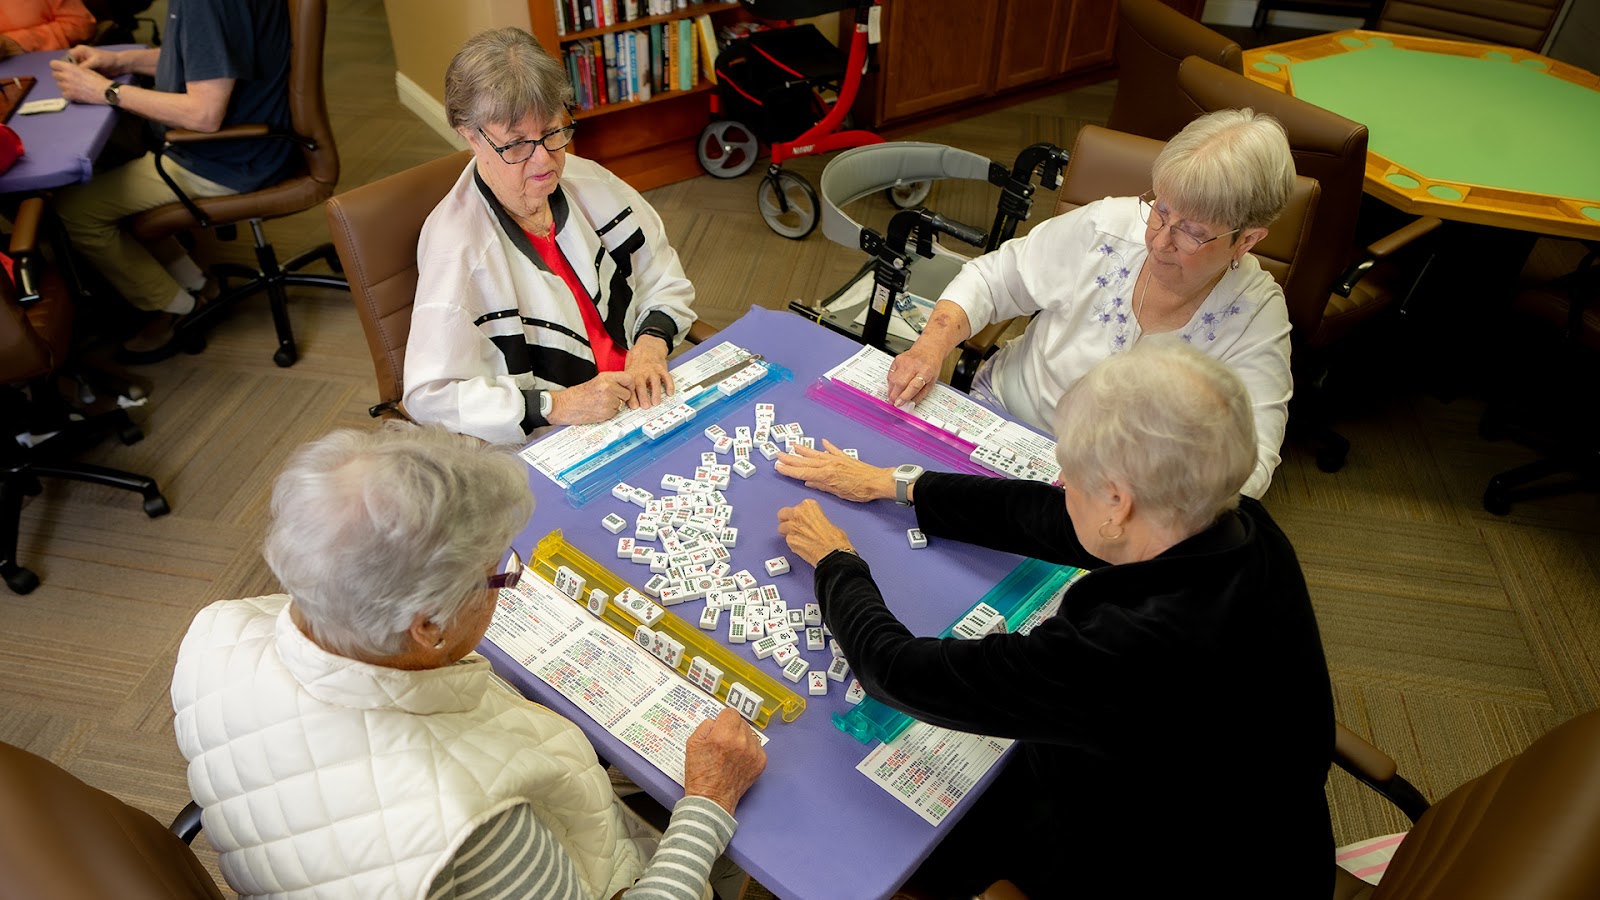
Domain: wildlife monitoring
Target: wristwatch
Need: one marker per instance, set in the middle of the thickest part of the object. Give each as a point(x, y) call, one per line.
point(113, 98)
point(547, 404)
point(904, 477)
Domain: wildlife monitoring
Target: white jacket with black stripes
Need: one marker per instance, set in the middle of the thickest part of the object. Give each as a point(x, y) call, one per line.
point(492, 325)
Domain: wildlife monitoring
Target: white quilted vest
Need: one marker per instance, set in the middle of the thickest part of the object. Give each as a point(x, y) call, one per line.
point(321, 776)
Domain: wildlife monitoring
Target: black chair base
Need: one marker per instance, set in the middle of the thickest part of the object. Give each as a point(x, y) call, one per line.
point(273, 279)
point(22, 468)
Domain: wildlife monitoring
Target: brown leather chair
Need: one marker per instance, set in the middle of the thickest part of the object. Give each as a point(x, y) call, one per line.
point(1108, 163)
point(1511, 23)
point(61, 839)
point(1152, 40)
point(35, 340)
point(1338, 285)
point(375, 229)
point(309, 186)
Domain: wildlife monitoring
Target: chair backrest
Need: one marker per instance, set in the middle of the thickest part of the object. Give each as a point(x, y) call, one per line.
point(375, 231)
point(1327, 147)
point(1512, 23)
point(1108, 163)
point(308, 116)
point(65, 840)
point(1528, 828)
point(1152, 40)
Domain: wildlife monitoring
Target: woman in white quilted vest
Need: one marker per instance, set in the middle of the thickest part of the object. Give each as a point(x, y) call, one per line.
point(344, 740)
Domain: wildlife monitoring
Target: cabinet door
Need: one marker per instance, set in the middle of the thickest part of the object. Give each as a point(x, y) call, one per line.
point(935, 52)
point(1030, 41)
point(1091, 35)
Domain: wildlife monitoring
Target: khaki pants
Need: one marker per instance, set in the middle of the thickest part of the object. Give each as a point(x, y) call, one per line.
point(92, 214)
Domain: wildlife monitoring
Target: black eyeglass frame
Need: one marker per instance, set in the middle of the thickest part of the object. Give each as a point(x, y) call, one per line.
point(510, 577)
point(1147, 205)
point(570, 129)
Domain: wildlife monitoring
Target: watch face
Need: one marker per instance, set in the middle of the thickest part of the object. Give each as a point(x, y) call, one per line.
point(907, 471)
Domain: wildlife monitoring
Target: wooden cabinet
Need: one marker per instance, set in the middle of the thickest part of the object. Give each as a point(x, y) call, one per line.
point(649, 143)
point(937, 55)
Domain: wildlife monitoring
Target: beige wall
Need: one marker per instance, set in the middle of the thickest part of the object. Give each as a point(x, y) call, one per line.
point(427, 33)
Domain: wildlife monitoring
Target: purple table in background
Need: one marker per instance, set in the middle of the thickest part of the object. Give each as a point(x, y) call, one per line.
point(812, 828)
point(58, 148)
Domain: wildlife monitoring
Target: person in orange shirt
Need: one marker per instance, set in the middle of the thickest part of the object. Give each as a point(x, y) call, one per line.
point(28, 25)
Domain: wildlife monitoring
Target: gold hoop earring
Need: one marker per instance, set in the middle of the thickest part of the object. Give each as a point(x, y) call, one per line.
point(1110, 537)
point(440, 645)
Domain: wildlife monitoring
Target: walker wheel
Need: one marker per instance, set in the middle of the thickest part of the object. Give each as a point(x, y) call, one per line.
point(911, 194)
point(788, 204)
point(727, 149)
point(19, 579)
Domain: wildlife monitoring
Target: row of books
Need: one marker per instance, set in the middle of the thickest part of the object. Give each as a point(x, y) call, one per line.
point(625, 66)
point(580, 15)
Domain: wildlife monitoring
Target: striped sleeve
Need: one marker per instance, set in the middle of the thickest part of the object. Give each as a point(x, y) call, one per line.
point(509, 857)
point(513, 855)
point(697, 834)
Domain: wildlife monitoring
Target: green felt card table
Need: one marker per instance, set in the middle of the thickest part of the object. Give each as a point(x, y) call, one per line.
point(1466, 132)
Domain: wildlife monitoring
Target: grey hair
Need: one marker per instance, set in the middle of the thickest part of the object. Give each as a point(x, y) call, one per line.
point(371, 528)
point(498, 77)
point(1230, 166)
point(1172, 423)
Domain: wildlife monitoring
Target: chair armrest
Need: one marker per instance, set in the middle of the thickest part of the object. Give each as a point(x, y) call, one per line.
point(1384, 247)
point(974, 350)
point(1377, 770)
point(700, 332)
point(24, 251)
point(231, 133)
point(187, 823)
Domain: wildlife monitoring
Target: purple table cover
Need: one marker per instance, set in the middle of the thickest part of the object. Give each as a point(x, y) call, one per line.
point(58, 148)
point(812, 827)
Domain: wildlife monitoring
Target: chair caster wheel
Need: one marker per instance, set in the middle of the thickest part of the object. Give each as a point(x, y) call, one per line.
point(20, 580)
point(1331, 460)
point(1495, 502)
point(285, 357)
point(130, 435)
point(194, 345)
point(156, 507)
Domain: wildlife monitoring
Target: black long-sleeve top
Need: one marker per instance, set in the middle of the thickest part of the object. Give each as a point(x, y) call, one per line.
point(1173, 712)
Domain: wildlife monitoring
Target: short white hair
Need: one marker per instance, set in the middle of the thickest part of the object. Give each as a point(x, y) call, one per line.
point(371, 528)
point(1172, 423)
point(500, 76)
point(1231, 166)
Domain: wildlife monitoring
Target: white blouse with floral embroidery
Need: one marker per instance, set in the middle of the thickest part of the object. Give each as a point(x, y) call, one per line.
point(1077, 272)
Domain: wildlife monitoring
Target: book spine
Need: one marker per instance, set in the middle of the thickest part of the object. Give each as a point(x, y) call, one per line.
point(586, 12)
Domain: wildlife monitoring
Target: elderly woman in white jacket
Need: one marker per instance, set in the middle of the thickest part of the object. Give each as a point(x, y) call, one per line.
point(344, 740)
point(547, 293)
point(1175, 260)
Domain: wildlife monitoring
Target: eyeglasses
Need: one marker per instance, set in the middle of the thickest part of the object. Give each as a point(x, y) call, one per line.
point(518, 152)
point(508, 577)
point(1186, 242)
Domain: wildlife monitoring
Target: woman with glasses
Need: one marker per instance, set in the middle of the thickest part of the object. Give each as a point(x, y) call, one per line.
point(1098, 279)
point(343, 739)
point(547, 293)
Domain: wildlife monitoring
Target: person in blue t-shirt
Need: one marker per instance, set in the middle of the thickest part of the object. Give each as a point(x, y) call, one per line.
point(224, 62)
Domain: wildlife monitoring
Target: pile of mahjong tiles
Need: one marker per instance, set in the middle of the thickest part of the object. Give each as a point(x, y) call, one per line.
point(692, 522)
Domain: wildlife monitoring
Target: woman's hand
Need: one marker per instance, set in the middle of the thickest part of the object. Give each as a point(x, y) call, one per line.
point(596, 400)
point(809, 533)
point(913, 373)
point(830, 470)
point(722, 760)
point(647, 364)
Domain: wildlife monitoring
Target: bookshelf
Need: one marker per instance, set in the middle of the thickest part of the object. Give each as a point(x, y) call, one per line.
point(647, 143)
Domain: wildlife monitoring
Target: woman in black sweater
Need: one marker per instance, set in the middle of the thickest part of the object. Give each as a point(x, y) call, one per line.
point(1175, 715)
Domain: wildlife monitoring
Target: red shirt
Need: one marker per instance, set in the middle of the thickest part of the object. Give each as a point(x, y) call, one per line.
point(607, 356)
